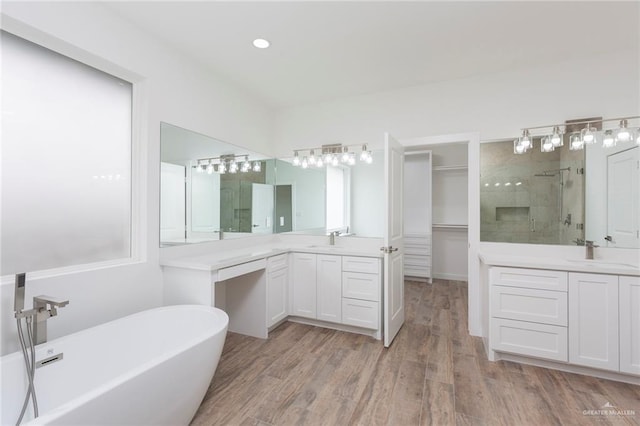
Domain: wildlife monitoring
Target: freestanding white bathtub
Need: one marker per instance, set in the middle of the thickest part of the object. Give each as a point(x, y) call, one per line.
point(149, 368)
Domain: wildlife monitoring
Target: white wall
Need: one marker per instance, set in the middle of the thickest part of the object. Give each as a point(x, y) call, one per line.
point(175, 90)
point(495, 105)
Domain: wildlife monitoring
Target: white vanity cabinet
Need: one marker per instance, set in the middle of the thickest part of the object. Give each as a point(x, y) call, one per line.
point(529, 312)
point(593, 320)
point(629, 293)
point(303, 285)
point(361, 292)
point(277, 288)
point(337, 289)
point(329, 287)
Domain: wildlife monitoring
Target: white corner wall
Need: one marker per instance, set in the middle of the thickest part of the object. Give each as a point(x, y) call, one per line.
point(176, 90)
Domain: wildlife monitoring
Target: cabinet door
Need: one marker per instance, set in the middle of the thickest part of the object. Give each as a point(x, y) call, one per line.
point(276, 295)
point(329, 288)
point(303, 285)
point(593, 320)
point(630, 325)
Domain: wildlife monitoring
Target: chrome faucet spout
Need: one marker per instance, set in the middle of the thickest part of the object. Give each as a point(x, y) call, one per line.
point(45, 307)
point(589, 246)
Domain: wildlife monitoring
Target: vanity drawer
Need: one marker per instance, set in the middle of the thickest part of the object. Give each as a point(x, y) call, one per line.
point(360, 313)
point(529, 338)
point(529, 278)
point(277, 262)
point(525, 304)
point(369, 265)
point(358, 285)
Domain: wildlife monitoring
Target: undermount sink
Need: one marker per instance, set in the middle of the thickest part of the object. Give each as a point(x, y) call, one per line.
point(602, 263)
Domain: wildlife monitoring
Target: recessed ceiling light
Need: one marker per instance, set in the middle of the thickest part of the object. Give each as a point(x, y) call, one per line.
point(261, 43)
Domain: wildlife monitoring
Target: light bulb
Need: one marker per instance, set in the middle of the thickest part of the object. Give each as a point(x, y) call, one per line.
point(334, 161)
point(518, 148)
point(369, 158)
point(296, 158)
point(327, 158)
point(608, 140)
point(257, 166)
point(319, 163)
point(575, 142)
point(312, 158)
point(210, 168)
point(525, 139)
point(588, 134)
point(305, 162)
point(364, 154)
point(556, 137)
point(246, 165)
point(638, 137)
point(233, 167)
point(623, 134)
point(222, 168)
point(345, 155)
point(546, 145)
point(352, 159)
point(199, 168)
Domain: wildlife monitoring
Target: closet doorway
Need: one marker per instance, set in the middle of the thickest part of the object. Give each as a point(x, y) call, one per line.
point(453, 222)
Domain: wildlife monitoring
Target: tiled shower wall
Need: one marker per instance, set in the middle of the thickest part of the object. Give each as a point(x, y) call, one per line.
point(518, 206)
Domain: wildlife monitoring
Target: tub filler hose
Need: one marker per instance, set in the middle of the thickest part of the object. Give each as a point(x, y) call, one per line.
point(30, 364)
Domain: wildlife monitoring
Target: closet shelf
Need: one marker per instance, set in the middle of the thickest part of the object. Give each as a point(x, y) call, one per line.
point(449, 226)
point(454, 167)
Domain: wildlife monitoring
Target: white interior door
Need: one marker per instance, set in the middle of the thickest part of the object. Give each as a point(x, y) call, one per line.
point(262, 208)
point(393, 239)
point(622, 199)
point(172, 202)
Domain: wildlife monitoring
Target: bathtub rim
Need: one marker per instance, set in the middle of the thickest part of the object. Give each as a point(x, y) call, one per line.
point(134, 372)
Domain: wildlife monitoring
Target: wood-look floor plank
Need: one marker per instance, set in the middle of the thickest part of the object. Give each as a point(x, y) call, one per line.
point(434, 373)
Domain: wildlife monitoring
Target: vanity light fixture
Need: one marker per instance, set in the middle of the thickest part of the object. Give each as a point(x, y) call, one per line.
point(230, 163)
point(581, 133)
point(333, 154)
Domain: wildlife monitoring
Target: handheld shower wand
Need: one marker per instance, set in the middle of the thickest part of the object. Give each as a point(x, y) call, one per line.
point(18, 300)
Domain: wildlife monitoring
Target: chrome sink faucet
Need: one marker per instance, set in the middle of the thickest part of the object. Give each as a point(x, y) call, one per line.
point(590, 246)
point(45, 307)
point(332, 237)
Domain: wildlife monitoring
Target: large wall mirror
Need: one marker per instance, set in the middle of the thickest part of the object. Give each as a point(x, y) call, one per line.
point(202, 199)
point(562, 197)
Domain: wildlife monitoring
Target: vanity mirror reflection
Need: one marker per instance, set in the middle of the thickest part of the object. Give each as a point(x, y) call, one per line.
point(210, 189)
point(204, 197)
point(562, 197)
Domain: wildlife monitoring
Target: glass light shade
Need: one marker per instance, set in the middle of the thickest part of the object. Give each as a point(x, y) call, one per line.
point(222, 168)
point(623, 134)
point(312, 159)
point(546, 145)
point(246, 165)
point(556, 137)
point(369, 159)
point(327, 158)
point(335, 161)
point(588, 134)
point(575, 142)
point(305, 162)
point(319, 163)
point(210, 168)
point(638, 136)
point(345, 155)
point(525, 140)
point(257, 166)
point(518, 148)
point(233, 167)
point(352, 159)
point(608, 140)
point(296, 159)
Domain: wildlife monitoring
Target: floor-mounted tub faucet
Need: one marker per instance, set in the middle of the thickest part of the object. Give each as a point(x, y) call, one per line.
point(46, 307)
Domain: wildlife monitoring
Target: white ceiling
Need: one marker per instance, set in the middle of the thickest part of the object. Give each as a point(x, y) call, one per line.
point(325, 50)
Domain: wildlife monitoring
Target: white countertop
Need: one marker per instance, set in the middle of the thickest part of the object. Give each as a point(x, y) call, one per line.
point(223, 259)
point(597, 266)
